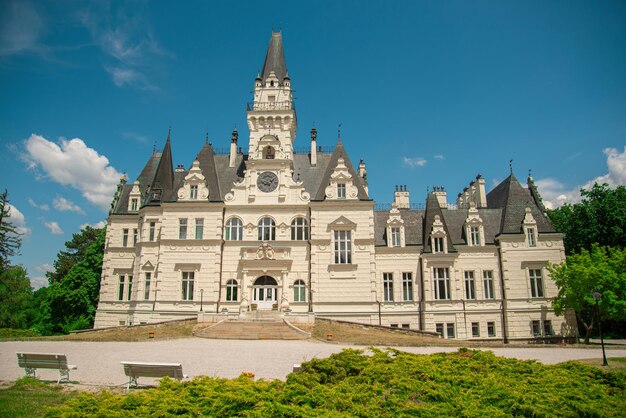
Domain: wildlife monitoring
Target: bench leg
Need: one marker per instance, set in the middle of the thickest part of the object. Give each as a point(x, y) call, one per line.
point(132, 381)
point(30, 372)
point(64, 375)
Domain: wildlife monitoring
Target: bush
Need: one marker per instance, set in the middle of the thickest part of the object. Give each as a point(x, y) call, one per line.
point(387, 383)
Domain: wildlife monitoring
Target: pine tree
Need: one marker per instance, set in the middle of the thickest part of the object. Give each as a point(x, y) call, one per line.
point(10, 240)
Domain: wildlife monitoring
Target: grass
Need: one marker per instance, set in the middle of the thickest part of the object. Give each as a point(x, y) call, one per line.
point(615, 363)
point(28, 397)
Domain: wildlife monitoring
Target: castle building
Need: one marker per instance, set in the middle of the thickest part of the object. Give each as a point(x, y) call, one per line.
point(297, 233)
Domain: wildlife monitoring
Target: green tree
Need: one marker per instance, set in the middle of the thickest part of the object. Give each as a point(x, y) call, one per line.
point(602, 269)
point(599, 218)
point(16, 298)
point(10, 240)
point(70, 302)
point(75, 251)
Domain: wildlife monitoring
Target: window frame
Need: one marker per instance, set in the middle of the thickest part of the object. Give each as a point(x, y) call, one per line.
point(474, 235)
point(193, 192)
point(441, 281)
point(135, 233)
point(396, 240)
point(187, 291)
point(147, 281)
point(182, 228)
point(233, 230)
point(491, 328)
point(531, 237)
point(475, 329)
point(438, 245)
point(535, 328)
point(266, 229)
point(152, 231)
point(199, 228)
point(407, 286)
point(450, 326)
point(488, 284)
point(134, 204)
point(536, 283)
point(125, 237)
point(129, 287)
point(299, 229)
point(342, 246)
point(341, 190)
point(232, 291)
point(470, 285)
point(121, 284)
point(387, 287)
point(299, 291)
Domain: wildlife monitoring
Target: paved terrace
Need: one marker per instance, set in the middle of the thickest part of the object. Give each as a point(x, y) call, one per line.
point(99, 362)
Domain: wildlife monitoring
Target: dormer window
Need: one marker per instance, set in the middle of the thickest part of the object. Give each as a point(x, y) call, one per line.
point(193, 192)
point(134, 198)
point(194, 185)
point(341, 190)
point(438, 246)
point(134, 203)
point(272, 83)
point(395, 237)
point(530, 237)
point(474, 235)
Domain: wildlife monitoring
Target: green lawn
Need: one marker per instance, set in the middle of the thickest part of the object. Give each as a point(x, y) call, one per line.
point(28, 397)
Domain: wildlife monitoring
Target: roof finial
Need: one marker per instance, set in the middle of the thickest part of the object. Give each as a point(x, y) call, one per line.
point(530, 173)
point(169, 131)
point(339, 132)
point(511, 165)
point(154, 147)
point(206, 139)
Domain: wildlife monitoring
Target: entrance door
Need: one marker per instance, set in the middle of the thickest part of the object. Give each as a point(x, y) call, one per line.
point(264, 292)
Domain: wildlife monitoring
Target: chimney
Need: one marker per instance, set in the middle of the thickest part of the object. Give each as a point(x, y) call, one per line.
point(180, 168)
point(440, 194)
point(233, 148)
point(459, 201)
point(481, 202)
point(362, 170)
point(313, 147)
point(401, 197)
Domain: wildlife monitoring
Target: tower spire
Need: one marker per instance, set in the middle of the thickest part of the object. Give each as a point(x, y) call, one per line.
point(275, 58)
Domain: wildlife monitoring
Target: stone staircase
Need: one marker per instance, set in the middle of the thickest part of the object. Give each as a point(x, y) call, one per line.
point(257, 326)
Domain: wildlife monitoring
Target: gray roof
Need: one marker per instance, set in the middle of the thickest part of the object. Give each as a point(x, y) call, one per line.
point(275, 58)
point(339, 152)
point(513, 199)
point(433, 209)
point(413, 227)
point(455, 221)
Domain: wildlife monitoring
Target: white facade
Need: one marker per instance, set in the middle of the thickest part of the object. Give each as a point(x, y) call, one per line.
point(297, 233)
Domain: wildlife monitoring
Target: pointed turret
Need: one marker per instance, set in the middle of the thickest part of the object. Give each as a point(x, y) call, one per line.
point(275, 58)
point(163, 183)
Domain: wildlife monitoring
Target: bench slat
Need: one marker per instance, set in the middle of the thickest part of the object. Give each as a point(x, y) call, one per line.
point(138, 369)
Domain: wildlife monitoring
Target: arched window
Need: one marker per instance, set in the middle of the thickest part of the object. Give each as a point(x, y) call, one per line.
point(299, 229)
point(269, 153)
point(234, 230)
point(231, 291)
point(299, 291)
point(267, 229)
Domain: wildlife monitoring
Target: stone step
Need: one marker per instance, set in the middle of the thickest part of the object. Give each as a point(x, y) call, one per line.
point(251, 330)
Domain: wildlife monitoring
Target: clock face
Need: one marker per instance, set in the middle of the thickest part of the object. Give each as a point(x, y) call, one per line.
point(267, 182)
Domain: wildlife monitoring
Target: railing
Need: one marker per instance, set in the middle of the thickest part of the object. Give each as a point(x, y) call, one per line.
point(412, 206)
point(326, 149)
point(286, 105)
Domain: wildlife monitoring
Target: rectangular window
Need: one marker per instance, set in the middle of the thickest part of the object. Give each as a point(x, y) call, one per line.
point(133, 204)
point(450, 330)
point(470, 292)
point(134, 237)
point(536, 283)
point(407, 286)
point(341, 191)
point(199, 228)
point(474, 235)
point(442, 283)
point(193, 192)
point(120, 290)
point(406, 326)
point(488, 284)
point(438, 245)
point(343, 247)
point(395, 237)
point(530, 234)
point(182, 229)
point(388, 287)
point(475, 329)
point(547, 328)
point(125, 237)
point(152, 231)
point(439, 329)
point(299, 293)
point(130, 287)
point(188, 277)
point(146, 293)
point(491, 329)
point(536, 328)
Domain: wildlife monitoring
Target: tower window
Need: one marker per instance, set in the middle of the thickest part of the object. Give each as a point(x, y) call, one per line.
point(269, 153)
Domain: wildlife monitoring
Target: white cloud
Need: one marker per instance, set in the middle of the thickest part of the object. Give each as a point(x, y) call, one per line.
point(38, 282)
point(439, 157)
point(414, 162)
point(18, 220)
point(20, 28)
point(64, 205)
point(97, 225)
point(35, 205)
point(73, 163)
point(135, 136)
point(555, 193)
point(54, 227)
point(44, 268)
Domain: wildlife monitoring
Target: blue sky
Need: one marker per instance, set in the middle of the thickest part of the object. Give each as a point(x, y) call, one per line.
point(428, 93)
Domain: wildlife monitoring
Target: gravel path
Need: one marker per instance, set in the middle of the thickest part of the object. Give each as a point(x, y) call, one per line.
point(99, 362)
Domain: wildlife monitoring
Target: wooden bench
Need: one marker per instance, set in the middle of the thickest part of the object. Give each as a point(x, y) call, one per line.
point(137, 369)
point(33, 361)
